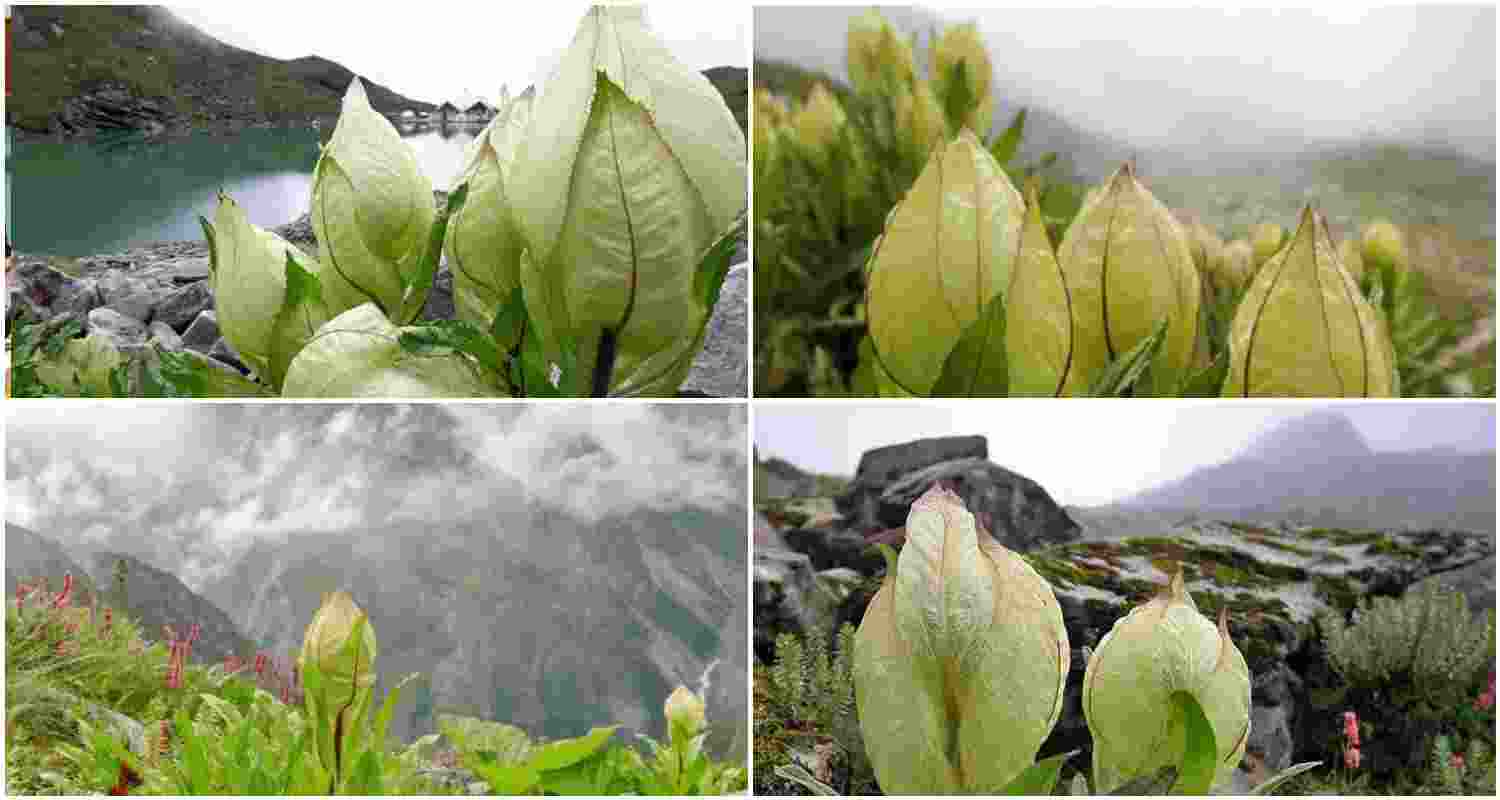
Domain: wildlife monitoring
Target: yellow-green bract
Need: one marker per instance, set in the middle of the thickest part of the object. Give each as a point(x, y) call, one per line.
point(1038, 311)
point(961, 49)
point(960, 661)
point(483, 241)
point(249, 286)
point(1304, 329)
point(82, 368)
point(1162, 647)
point(372, 211)
point(945, 253)
point(359, 354)
point(632, 167)
point(880, 60)
point(348, 676)
point(1128, 266)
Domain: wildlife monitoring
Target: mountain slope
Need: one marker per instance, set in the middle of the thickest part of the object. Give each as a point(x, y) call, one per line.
point(1318, 469)
point(526, 614)
point(78, 69)
point(29, 555)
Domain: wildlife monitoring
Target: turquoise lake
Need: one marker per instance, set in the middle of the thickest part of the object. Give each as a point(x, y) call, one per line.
point(103, 196)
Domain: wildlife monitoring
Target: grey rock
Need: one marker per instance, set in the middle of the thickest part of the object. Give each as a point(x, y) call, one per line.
point(786, 596)
point(879, 467)
point(110, 720)
point(223, 351)
point(59, 293)
point(440, 297)
point(186, 270)
point(782, 479)
point(128, 296)
point(202, 333)
point(127, 333)
point(1016, 510)
point(178, 309)
point(721, 368)
point(833, 548)
point(162, 333)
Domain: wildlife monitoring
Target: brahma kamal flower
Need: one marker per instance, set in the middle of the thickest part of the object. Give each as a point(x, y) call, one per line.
point(1304, 329)
point(1160, 648)
point(960, 660)
point(946, 252)
point(632, 167)
point(340, 645)
point(1129, 266)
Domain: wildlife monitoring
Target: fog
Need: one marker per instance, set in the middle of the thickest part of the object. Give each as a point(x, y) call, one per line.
point(202, 481)
point(1096, 452)
point(1214, 79)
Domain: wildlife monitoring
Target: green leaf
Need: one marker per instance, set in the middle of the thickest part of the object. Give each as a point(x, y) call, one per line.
point(958, 96)
point(184, 373)
point(799, 775)
point(1209, 381)
point(708, 279)
point(1283, 776)
point(506, 779)
point(510, 321)
point(563, 752)
point(301, 314)
point(359, 354)
point(1200, 759)
point(1155, 783)
point(1039, 778)
point(387, 709)
point(446, 337)
point(1124, 372)
point(976, 366)
point(428, 266)
point(1005, 146)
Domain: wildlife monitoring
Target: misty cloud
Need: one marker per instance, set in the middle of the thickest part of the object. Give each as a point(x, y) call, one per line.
point(194, 484)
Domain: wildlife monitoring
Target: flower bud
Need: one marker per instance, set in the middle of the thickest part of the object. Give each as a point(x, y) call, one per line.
point(880, 60)
point(960, 660)
point(961, 50)
point(632, 167)
point(1128, 267)
point(347, 676)
point(1265, 239)
point(1383, 245)
point(685, 711)
point(920, 121)
point(483, 241)
point(1237, 262)
point(372, 211)
point(1304, 329)
point(1038, 313)
point(945, 253)
point(248, 279)
point(1160, 648)
point(819, 124)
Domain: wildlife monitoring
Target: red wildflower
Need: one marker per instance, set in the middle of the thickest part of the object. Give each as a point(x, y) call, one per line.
point(109, 621)
point(1457, 761)
point(193, 634)
point(67, 592)
point(260, 663)
point(129, 779)
point(1351, 758)
point(1486, 700)
point(1351, 728)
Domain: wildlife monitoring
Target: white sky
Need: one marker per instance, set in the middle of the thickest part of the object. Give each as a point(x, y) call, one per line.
point(1164, 76)
point(439, 50)
point(1087, 452)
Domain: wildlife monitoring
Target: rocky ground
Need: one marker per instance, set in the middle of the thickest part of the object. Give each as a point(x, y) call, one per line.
point(159, 293)
point(814, 570)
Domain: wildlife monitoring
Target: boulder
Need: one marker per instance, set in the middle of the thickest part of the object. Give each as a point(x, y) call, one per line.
point(178, 309)
point(202, 333)
point(722, 367)
point(1016, 510)
point(53, 290)
point(162, 333)
point(879, 467)
point(835, 548)
point(780, 479)
point(787, 598)
point(127, 333)
point(128, 295)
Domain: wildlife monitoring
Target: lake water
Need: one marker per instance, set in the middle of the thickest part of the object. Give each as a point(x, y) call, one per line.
point(88, 198)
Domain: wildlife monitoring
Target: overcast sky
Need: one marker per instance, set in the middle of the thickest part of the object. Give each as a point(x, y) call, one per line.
point(214, 476)
point(1093, 452)
point(1158, 76)
point(434, 51)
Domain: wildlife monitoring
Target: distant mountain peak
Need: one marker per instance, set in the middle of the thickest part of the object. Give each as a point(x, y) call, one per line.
point(1319, 436)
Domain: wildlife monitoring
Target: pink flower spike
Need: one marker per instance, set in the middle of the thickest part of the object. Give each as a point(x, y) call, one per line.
point(1351, 758)
point(1457, 761)
point(193, 634)
point(62, 599)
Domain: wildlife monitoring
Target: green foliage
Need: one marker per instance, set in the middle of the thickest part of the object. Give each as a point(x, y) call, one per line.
point(1422, 649)
point(810, 688)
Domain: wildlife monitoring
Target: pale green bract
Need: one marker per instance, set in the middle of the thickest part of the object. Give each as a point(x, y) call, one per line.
point(82, 368)
point(249, 286)
point(372, 211)
point(483, 241)
point(359, 354)
point(1304, 329)
point(1038, 313)
point(960, 661)
point(632, 166)
point(1128, 266)
point(946, 251)
point(1162, 647)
